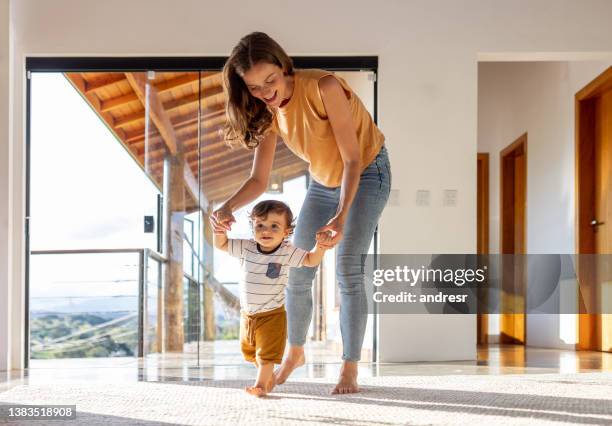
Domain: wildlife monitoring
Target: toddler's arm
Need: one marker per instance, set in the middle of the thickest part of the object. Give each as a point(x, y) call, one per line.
point(314, 257)
point(220, 240)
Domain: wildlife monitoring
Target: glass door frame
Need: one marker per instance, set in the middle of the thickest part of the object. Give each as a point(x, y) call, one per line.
point(178, 64)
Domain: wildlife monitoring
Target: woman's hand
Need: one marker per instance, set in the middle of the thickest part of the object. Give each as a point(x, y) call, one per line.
point(222, 219)
point(335, 227)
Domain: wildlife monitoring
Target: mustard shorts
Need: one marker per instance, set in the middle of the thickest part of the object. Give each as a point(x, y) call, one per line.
point(263, 336)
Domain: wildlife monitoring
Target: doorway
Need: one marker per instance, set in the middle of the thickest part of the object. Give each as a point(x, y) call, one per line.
point(594, 209)
point(482, 234)
point(513, 240)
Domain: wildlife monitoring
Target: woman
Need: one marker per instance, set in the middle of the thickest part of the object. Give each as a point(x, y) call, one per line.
point(323, 122)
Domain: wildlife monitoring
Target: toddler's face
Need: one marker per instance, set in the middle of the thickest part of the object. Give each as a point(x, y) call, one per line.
point(270, 231)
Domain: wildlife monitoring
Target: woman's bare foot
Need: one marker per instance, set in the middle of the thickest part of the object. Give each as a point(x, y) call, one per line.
point(347, 382)
point(270, 384)
point(256, 390)
point(295, 358)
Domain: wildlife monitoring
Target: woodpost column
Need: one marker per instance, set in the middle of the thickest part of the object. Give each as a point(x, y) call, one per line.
point(210, 326)
point(174, 214)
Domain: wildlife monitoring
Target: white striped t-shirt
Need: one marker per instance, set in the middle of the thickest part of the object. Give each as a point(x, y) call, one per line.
point(264, 275)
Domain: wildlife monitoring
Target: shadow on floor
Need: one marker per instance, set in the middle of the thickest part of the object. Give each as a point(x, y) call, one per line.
point(540, 407)
point(511, 405)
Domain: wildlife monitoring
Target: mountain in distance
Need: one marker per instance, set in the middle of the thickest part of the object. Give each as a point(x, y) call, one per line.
point(103, 304)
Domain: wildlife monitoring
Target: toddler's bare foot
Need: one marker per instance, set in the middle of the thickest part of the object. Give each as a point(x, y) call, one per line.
point(294, 359)
point(256, 390)
point(347, 383)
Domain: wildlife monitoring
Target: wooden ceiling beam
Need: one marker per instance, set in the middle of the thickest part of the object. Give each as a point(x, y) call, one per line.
point(120, 101)
point(132, 118)
point(189, 140)
point(80, 84)
point(158, 114)
point(230, 160)
point(222, 192)
point(185, 80)
point(168, 106)
point(109, 79)
point(209, 179)
point(175, 83)
point(246, 164)
point(220, 149)
point(211, 167)
point(212, 145)
point(208, 119)
point(117, 102)
point(192, 98)
point(160, 117)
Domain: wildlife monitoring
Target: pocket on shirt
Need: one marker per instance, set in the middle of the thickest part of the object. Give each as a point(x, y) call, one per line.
point(273, 270)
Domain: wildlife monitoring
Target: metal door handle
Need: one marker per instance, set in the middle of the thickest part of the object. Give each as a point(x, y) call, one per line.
point(594, 222)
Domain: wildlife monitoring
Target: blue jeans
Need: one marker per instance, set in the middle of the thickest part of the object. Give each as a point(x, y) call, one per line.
point(319, 207)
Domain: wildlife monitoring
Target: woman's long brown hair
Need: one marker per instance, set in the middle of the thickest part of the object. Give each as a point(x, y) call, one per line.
point(249, 118)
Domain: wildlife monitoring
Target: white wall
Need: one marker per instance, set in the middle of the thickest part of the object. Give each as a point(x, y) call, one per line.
point(5, 185)
point(537, 98)
point(428, 53)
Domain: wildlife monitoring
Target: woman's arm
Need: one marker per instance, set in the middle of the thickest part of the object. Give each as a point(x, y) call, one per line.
point(252, 188)
point(339, 115)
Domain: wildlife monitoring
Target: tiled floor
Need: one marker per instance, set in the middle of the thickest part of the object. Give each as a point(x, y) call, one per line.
point(221, 360)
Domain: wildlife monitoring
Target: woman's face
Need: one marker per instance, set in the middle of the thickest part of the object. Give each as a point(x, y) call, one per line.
point(267, 82)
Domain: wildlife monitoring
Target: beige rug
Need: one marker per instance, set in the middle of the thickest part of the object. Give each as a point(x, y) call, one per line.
point(414, 400)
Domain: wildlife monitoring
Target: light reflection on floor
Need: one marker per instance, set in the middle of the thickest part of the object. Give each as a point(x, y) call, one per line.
point(221, 360)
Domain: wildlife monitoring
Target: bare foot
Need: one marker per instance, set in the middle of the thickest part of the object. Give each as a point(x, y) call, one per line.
point(347, 383)
point(257, 391)
point(295, 358)
point(271, 383)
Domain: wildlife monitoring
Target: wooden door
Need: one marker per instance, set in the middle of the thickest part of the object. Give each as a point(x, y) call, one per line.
point(513, 240)
point(594, 209)
point(603, 210)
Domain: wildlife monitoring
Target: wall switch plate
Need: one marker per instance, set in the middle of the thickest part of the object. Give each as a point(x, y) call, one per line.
point(422, 197)
point(450, 197)
point(149, 224)
point(394, 198)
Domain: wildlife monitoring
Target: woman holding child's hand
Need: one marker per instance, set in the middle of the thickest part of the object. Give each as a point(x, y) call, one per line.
point(321, 120)
point(222, 219)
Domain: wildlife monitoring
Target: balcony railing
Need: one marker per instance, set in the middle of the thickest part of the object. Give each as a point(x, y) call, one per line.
point(109, 302)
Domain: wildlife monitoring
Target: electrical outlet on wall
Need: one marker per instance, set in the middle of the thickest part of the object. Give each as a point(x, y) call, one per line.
point(422, 197)
point(450, 197)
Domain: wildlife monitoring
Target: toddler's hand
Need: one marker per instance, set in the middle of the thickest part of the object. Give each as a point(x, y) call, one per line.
point(324, 239)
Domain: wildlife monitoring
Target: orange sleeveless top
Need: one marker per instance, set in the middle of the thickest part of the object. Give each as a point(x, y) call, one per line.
point(304, 127)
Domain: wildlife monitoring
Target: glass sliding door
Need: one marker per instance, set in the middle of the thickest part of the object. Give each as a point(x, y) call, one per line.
point(88, 201)
point(125, 167)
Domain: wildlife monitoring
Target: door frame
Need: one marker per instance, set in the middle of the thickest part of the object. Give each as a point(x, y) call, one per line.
point(518, 146)
point(167, 63)
point(482, 235)
point(589, 325)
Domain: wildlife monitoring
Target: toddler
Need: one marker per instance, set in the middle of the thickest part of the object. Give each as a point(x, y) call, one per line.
point(265, 262)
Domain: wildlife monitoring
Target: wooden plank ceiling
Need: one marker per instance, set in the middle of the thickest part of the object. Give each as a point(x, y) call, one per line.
point(173, 102)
